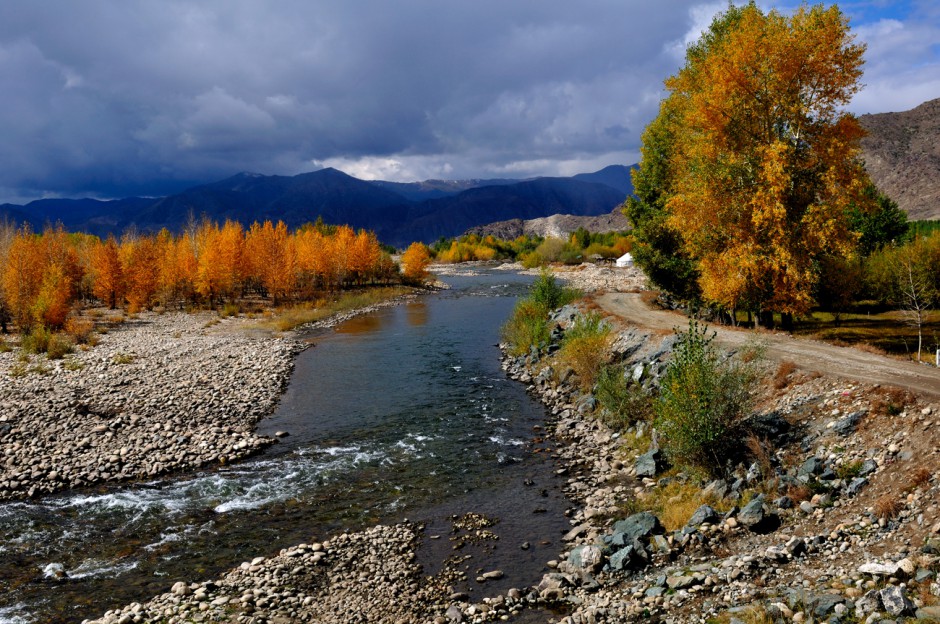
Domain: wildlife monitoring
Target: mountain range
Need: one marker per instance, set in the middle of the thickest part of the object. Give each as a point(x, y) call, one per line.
point(398, 212)
point(902, 156)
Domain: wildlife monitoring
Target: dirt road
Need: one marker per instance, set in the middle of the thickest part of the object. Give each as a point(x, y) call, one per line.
point(808, 355)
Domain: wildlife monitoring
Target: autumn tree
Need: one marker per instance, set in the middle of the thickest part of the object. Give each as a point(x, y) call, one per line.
point(415, 262)
point(271, 258)
point(752, 165)
point(220, 260)
point(107, 273)
point(7, 235)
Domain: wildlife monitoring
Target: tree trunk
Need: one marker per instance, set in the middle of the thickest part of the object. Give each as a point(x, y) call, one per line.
point(786, 321)
point(766, 319)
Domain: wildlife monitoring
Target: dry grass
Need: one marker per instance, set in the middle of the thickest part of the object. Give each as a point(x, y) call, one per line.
point(888, 507)
point(675, 503)
point(918, 477)
point(870, 348)
point(782, 376)
point(759, 450)
point(890, 401)
point(799, 493)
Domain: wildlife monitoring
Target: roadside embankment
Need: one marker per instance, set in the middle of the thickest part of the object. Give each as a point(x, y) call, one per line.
point(835, 517)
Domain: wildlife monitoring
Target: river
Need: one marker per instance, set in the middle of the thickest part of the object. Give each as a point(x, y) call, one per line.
point(401, 413)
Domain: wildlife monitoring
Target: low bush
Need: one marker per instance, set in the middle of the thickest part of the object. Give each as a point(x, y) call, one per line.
point(58, 347)
point(782, 376)
point(701, 402)
point(80, 329)
point(532, 260)
point(37, 340)
point(528, 327)
point(584, 348)
point(623, 400)
point(230, 309)
point(888, 506)
point(548, 293)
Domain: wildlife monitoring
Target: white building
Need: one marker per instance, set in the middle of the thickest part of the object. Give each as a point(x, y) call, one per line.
point(626, 260)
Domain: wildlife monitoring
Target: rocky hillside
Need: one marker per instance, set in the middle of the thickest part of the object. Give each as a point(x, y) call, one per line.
point(559, 225)
point(902, 155)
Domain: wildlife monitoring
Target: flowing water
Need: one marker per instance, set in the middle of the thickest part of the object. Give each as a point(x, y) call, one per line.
point(403, 413)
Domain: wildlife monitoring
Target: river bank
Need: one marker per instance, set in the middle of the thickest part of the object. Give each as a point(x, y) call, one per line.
point(159, 394)
point(837, 521)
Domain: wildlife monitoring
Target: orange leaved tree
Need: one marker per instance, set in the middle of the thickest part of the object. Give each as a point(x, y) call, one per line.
point(762, 162)
point(107, 273)
point(415, 262)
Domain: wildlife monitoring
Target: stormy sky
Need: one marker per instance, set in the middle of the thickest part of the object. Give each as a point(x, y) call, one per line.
point(113, 98)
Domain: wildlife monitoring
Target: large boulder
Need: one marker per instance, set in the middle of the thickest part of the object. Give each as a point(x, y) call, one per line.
point(895, 602)
point(650, 463)
point(757, 517)
point(586, 558)
point(847, 424)
point(639, 526)
point(705, 513)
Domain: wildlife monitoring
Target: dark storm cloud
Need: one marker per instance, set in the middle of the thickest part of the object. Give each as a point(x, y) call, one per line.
point(110, 98)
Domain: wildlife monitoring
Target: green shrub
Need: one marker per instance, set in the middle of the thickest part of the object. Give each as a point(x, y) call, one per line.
point(701, 401)
point(532, 260)
point(548, 293)
point(59, 346)
point(37, 340)
point(551, 249)
point(623, 400)
point(527, 327)
point(584, 347)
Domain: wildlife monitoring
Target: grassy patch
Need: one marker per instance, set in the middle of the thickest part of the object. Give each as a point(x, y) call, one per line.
point(287, 318)
point(873, 330)
point(124, 358)
point(623, 401)
point(675, 502)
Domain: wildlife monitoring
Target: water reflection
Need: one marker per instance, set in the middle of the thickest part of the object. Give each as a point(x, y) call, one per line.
point(364, 324)
point(417, 314)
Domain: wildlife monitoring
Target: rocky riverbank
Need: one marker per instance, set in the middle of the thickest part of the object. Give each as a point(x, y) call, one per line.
point(837, 522)
point(159, 393)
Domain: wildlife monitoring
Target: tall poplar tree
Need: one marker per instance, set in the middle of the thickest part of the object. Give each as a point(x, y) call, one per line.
point(752, 166)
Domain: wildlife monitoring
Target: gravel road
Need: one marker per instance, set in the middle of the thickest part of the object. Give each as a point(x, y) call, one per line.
point(810, 355)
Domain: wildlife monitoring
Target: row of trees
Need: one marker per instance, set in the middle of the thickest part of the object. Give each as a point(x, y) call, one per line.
point(43, 275)
point(533, 251)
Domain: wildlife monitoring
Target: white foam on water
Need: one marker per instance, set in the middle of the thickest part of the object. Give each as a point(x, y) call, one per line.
point(14, 614)
point(53, 570)
point(95, 568)
point(498, 439)
point(257, 495)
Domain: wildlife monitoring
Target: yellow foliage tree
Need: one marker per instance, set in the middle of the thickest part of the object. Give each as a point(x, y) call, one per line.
point(107, 273)
point(763, 164)
point(415, 262)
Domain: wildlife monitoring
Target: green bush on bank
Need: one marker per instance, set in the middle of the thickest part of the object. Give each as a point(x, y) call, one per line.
point(701, 401)
point(584, 347)
point(624, 401)
point(528, 326)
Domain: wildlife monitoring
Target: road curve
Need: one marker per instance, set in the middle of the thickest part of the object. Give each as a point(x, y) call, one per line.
point(809, 355)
